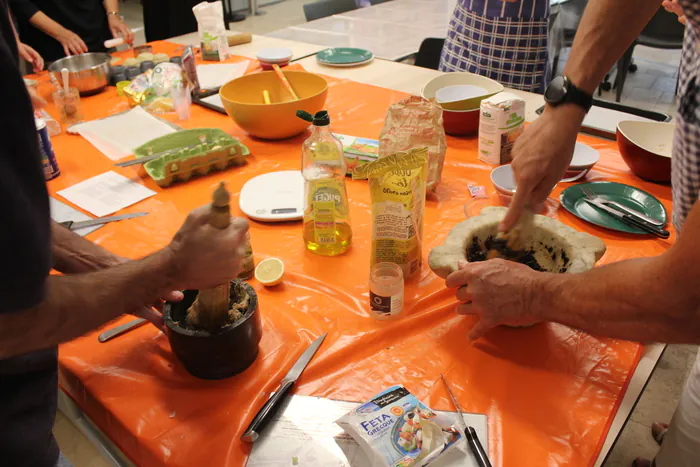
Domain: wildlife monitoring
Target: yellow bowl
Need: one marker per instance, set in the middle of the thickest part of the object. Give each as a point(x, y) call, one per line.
point(461, 79)
point(243, 101)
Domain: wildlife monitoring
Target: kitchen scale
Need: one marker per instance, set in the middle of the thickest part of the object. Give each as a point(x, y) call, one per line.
point(274, 197)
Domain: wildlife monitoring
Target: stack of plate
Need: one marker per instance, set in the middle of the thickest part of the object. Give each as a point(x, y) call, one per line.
point(585, 157)
point(344, 57)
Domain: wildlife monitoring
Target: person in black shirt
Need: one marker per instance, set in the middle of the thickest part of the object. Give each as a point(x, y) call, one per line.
point(38, 311)
point(57, 28)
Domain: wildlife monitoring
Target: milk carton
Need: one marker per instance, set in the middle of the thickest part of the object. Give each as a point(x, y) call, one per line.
point(501, 121)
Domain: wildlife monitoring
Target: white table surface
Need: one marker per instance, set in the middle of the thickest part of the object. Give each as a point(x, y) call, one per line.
point(392, 30)
point(408, 79)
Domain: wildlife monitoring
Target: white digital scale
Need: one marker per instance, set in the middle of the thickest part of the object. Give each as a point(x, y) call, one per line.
point(274, 197)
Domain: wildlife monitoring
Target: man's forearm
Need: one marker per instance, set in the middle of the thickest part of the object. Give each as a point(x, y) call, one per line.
point(640, 300)
point(73, 254)
point(111, 5)
point(76, 304)
point(607, 29)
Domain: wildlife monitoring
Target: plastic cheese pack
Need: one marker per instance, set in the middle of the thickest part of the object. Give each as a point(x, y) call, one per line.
point(395, 429)
point(397, 187)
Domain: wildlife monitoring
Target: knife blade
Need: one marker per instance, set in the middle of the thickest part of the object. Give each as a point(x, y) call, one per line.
point(628, 219)
point(121, 329)
point(632, 212)
point(72, 225)
point(469, 432)
point(267, 412)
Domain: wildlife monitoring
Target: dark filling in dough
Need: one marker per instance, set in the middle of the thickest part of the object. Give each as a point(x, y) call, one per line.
point(477, 252)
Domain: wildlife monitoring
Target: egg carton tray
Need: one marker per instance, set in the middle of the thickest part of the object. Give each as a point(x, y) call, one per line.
point(189, 153)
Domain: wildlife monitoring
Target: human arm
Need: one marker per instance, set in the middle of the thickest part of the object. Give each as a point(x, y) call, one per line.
point(27, 53)
point(26, 10)
point(198, 257)
point(72, 254)
point(116, 23)
point(648, 299)
point(673, 6)
point(544, 151)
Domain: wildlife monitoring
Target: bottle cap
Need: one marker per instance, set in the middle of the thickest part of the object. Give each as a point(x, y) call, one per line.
point(320, 119)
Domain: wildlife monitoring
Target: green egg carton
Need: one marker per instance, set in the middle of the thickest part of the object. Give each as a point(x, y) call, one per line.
point(191, 152)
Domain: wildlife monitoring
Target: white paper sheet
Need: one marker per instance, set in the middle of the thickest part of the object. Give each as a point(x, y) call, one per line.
point(106, 193)
point(214, 99)
point(215, 76)
point(305, 428)
point(117, 136)
point(61, 212)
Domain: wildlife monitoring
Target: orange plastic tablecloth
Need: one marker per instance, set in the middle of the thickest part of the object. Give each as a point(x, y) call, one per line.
point(550, 393)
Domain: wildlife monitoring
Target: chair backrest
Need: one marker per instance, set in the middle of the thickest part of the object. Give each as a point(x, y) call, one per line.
point(323, 8)
point(663, 27)
point(428, 55)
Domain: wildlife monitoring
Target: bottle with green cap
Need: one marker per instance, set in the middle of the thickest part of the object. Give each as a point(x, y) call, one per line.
point(326, 213)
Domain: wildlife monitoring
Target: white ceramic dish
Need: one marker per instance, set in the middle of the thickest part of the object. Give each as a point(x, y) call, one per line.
point(458, 93)
point(345, 65)
point(459, 79)
point(274, 55)
point(585, 157)
point(503, 180)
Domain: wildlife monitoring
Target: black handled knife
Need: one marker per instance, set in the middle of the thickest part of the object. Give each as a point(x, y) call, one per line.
point(629, 220)
point(267, 412)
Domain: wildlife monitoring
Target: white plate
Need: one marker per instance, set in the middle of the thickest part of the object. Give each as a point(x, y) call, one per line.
point(503, 180)
point(585, 157)
point(274, 55)
point(459, 92)
point(274, 197)
point(344, 65)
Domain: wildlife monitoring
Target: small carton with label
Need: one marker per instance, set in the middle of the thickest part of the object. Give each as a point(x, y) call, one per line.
point(501, 121)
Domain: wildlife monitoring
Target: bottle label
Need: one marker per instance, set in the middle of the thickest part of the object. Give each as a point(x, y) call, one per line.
point(386, 305)
point(324, 222)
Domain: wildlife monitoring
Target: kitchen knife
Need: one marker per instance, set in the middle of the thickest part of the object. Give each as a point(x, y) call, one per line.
point(121, 329)
point(632, 212)
point(470, 433)
point(628, 219)
point(267, 412)
point(100, 220)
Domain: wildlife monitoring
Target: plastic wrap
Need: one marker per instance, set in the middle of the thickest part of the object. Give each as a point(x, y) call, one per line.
point(550, 393)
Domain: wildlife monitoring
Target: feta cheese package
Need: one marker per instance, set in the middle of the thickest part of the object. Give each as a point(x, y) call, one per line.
point(397, 430)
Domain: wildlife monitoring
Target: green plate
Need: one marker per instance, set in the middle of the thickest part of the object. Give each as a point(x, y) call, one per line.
point(634, 198)
point(344, 56)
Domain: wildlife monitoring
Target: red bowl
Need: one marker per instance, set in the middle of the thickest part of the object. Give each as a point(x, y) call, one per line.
point(461, 122)
point(646, 148)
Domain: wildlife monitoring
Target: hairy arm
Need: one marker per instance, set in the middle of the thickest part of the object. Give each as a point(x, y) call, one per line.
point(650, 299)
point(76, 304)
point(73, 254)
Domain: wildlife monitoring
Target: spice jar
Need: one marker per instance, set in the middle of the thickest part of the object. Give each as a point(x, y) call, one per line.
point(248, 259)
point(386, 290)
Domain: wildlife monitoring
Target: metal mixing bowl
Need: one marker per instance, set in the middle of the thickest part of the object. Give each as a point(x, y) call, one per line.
point(88, 72)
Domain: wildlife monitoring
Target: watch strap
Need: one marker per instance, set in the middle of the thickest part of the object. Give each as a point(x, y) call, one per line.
point(578, 97)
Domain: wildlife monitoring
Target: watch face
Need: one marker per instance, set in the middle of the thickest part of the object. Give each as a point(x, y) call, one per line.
point(556, 91)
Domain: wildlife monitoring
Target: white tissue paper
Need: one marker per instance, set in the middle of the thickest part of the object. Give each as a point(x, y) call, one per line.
point(212, 30)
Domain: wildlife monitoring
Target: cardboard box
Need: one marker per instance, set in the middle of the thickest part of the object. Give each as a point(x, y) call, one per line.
point(501, 122)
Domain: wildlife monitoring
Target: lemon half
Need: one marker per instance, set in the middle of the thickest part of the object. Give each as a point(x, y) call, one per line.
point(269, 272)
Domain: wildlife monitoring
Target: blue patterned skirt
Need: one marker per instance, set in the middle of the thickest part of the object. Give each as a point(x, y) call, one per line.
point(503, 40)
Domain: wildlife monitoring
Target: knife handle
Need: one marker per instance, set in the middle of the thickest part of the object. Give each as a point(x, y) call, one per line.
point(482, 459)
point(266, 413)
point(661, 233)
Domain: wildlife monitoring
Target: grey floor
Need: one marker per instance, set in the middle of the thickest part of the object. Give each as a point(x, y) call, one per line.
point(651, 87)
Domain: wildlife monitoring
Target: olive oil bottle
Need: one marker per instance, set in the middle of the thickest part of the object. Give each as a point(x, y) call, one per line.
point(327, 229)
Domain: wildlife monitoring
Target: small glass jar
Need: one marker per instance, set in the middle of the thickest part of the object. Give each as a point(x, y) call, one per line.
point(386, 290)
point(68, 105)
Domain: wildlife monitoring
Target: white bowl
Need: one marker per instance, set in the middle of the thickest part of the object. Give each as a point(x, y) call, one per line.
point(584, 158)
point(503, 180)
point(274, 55)
point(461, 79)
point(458, 93)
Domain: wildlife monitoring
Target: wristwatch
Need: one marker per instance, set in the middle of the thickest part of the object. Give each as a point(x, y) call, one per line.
point(561, 91)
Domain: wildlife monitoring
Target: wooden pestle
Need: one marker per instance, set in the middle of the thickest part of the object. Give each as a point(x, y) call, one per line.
point(238, 39)
point(210, 311)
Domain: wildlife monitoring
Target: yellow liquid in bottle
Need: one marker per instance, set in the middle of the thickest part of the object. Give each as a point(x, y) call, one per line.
point(343, 239)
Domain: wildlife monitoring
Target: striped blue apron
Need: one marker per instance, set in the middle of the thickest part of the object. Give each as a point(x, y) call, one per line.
point(503, 40)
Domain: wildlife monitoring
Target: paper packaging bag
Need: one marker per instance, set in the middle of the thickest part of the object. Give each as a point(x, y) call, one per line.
point(416, 123)
point(212, 31)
